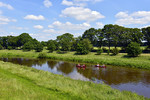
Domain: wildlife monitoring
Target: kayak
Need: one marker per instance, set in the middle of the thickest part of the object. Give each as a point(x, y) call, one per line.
point(100, 66)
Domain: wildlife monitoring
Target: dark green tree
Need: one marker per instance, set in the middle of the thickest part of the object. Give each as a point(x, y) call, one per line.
point(65, 41)
point(84, 46)
point(91, 35)
point(38, 47)
point(146, 32)
point(51, 45)
point(100, 37)
point(108, 31)
point(28, 46)
point(133, 49)
point(23, 38)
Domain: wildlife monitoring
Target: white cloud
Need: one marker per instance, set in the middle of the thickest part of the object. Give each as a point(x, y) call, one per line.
point(68, 3)
point(80, 13)
point(50, 26)
point(38, 26)
point(99, 24)
point(33, 17)
point(73, 3)
point(69, 26)
point(5, 20)
point(88, 0)
point(6, 5)
point(49, 31)
point(47, 3)
point(139, 17)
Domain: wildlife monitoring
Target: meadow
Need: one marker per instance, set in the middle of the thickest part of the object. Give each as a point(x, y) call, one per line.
point(24, 83)
point(143, 61)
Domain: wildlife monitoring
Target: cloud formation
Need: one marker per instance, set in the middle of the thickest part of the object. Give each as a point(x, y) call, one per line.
point(33, 17)
point(83, 14)
point(47, 3)
point(70, 26)
point(80, 3)
point(38, 26)
point(6, 5)
point(139, 17)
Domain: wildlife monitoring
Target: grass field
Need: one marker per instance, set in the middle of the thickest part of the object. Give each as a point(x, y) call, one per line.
point(24, 83)
point(143, 61)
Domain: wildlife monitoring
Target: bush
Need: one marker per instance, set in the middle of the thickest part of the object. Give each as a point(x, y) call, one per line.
point(115, 51)
point(9, 48)
point(133, 49)
point(42, 55)
point(99, 51)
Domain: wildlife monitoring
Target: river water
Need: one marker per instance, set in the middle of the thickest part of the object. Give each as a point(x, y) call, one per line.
point(135, 80)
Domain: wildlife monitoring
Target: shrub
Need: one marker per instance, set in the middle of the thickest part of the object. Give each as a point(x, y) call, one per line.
point(115, 51)
point(99, 51)
point(9, 48)
point(42, 55)
point(133, 49)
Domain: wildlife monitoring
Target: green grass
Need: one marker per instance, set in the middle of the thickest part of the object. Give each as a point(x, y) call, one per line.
point(24, 83)
point(143, 61)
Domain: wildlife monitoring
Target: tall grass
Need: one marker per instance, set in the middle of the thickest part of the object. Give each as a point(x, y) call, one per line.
point(23, 83)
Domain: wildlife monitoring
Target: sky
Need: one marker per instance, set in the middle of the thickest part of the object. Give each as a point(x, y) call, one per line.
point(47, 19)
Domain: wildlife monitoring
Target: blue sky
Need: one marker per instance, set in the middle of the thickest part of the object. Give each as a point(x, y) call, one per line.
point(46, 19)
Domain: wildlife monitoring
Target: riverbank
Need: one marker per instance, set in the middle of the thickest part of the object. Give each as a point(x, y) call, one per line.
point(21, 82)
point(143, 61)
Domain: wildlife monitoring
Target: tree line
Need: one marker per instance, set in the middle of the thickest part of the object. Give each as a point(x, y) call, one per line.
point(109, 35)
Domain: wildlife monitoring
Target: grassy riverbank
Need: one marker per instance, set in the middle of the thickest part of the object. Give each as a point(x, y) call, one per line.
point(22, 83)
point(143, 61)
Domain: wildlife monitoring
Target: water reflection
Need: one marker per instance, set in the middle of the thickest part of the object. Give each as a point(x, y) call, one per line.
point(135, 80)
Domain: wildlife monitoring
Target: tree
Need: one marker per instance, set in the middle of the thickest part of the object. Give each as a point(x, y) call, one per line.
point(84, 47)
point(44, 43)
point(133, 49)
point(91, 35)
point(38, 47)
point(51, 45)
point(146, 32)
point(100, 37)
point(65, 41)
point(108, 31)
point(136, 35)
point(23, 38)
point(28, 46)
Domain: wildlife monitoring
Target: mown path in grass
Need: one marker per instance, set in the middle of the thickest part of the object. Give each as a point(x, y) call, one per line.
point(143, 61)
point(21, 82)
